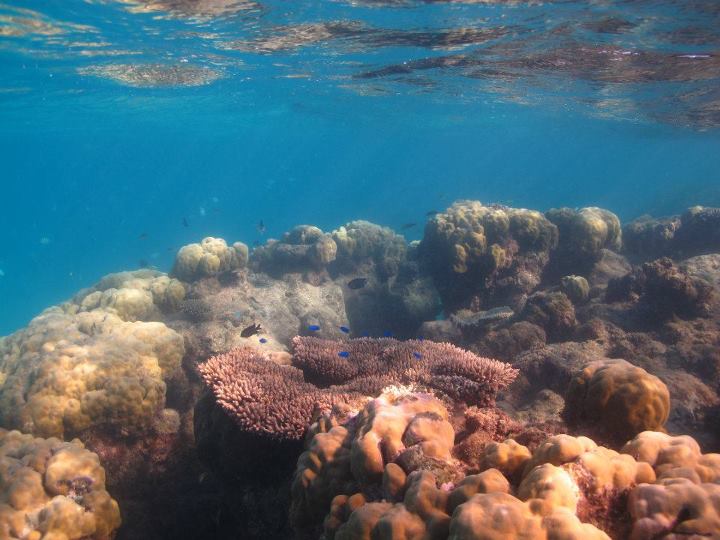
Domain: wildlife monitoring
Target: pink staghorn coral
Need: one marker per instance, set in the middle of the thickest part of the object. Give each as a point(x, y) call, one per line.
point(369, 364)
point(280, 401)
point(265, 398)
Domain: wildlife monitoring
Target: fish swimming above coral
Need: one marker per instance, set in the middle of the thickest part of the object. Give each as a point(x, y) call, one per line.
point(251, 330)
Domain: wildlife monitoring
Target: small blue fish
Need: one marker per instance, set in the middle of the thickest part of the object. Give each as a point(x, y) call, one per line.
point(420, 338)
point(366, 334)
point(313, 327)
point(345, 329)
point(263, 340)
point(343, 354)
point(387, 333)
point(417, 355)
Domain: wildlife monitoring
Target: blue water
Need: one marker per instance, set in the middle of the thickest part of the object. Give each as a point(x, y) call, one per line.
point(380, 111)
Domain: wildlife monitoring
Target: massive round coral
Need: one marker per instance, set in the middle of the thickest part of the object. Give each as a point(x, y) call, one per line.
point(65, 375)
point(617, 397)
point(491, 252)
point(53, 490)
point(208, 258)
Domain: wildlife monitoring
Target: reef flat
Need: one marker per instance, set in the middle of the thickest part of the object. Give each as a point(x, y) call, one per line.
point(514, 373)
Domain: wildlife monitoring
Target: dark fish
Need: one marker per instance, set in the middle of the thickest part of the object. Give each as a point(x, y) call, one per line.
point(417, 355)
point(432, 213)
point(314, 327)
point(143, 236)
point(143, 263)
point(343, 354)
point(387, 333)
point(407, 226)
point(251, 330)
point(357, 283)
point(185, 222)
point(366, 334)
point(345, 329)
point(256, 243)
point(261, 227)
point(263, 340)
point(420, 338)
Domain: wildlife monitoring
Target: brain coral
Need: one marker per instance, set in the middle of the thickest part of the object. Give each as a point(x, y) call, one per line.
point(620, 399)
point(65, 374)
point(53, 490)
point(142, 295)
point(493, 252)
point(210, 257)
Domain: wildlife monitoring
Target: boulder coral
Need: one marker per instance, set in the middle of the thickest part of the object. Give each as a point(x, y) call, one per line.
point(142, 295)
point(210, 257)
point(685, 500)
point(64, 375)
point(53, 490)
point(494, 252)
point(619, 399)
point(388, 472)
point(361, 243)
point(303, 248)
point(583, 234)
point(694, 232)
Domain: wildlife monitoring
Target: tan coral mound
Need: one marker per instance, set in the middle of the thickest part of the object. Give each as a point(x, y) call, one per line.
point(53, 490)
point(617, 397)
point(64, 374)
point(210, 257)
point(685, 501)
point(142, 295)
point(397, 427)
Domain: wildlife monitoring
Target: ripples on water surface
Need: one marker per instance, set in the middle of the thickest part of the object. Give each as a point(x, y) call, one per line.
point(636, 59)
point(121, 120)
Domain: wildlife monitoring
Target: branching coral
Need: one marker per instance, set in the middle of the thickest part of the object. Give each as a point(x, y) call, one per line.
point(370, 364)
point(53, 490)
point(263, 397)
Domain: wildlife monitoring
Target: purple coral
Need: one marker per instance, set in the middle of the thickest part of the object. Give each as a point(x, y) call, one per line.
point(371, 362)
point(279, 401)
point(263, 397)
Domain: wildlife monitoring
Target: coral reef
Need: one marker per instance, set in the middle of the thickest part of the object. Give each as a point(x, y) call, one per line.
point(403, 438)
point(494, 253)
point(665, 289)
point(695, 232)
point(210, 257)
point(54, 490)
